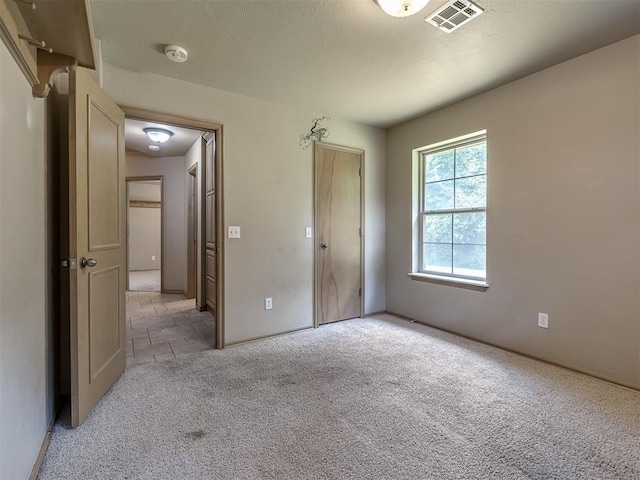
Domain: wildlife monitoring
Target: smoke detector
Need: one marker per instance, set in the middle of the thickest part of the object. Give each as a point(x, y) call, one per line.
point(454, 14)
point(176, 53)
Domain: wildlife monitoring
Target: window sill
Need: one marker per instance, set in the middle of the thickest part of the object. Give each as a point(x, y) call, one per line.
point(450, 281)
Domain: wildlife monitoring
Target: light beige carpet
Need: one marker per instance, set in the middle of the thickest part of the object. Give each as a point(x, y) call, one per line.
point(375, 398)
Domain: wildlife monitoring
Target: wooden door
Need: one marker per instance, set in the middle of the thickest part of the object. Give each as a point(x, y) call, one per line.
point(210, 225)
point(96, 243)
point(338, 216)
point(192, 234)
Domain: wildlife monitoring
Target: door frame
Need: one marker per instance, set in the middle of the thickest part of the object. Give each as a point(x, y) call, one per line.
point(217, 129)
point(143, 179)
point(192, 223)
point(316, 260)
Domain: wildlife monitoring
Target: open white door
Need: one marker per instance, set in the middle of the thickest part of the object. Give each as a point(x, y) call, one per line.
point(96, 242)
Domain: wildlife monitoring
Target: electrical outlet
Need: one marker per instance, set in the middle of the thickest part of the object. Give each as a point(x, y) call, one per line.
point(543, 320)
point(268, 303)
point(153, 257)
point(234, 232)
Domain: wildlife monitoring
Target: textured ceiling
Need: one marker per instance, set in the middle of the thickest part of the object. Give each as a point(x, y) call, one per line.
point(347, 58)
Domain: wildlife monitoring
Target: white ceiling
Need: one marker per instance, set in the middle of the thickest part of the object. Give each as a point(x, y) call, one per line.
point(347, 58)
point(178, 145)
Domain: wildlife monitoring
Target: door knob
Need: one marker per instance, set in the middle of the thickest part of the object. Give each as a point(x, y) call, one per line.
point(88, 262)
point(324, 245)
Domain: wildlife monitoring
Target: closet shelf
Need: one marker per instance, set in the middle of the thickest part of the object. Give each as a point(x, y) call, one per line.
point(55, 37)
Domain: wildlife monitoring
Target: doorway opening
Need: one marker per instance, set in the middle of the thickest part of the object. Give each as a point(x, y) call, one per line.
point(187, 315)
point(144, 234)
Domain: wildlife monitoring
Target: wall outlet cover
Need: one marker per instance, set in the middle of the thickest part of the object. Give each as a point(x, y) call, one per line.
point(234, 232)
point(543, 320)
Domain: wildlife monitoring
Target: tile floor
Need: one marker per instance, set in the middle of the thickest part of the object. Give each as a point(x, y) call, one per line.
point(162, 326)
point(144, 280)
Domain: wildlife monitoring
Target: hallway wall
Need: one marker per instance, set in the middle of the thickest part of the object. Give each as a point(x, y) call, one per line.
point(175, 244)
point(144, 226)
point(144, 238)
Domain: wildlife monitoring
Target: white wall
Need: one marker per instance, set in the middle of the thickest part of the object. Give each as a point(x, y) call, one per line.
point(173, 207)
point(144, 238)
point(268, 191)
point(23, 409)
point(145, 225)
point(563, 216)
point(145, 191)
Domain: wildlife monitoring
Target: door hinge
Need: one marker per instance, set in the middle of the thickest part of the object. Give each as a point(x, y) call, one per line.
point(360, 292)
point(360, 231)
point(359, 172)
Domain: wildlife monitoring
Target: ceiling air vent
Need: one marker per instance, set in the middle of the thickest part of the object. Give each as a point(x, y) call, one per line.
point(454, 14)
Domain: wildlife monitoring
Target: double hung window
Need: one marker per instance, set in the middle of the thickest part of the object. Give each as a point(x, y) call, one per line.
point(453, 209)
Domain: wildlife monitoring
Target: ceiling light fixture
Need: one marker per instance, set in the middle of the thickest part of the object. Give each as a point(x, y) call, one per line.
point(154, 148)
point(158, 135)
point(401, 8)
point(176, 53)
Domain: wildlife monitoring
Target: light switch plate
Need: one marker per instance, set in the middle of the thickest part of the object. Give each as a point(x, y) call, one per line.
point(307, 232)
point(234, 232)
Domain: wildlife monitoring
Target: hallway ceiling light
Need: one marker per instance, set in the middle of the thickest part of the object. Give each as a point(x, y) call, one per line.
point(401, 8)
point(158, 135)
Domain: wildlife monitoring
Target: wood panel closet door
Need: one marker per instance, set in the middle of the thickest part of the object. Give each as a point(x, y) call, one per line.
point(338, 233)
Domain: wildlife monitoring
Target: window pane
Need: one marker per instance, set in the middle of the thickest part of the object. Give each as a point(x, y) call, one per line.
point(471, 160)
point(436, 258)
point(471, 192)
point(439, 195)
point(470, 228)
point(439, 166)
point(437, 228)
point(469, 260)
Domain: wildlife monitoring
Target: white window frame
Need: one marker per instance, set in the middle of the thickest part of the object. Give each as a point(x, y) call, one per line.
point(478, 283)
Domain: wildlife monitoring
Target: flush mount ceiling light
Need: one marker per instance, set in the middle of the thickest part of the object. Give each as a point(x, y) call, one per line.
point(176, 53)
point(401, 8)
point(154, 148)
point(158, 135)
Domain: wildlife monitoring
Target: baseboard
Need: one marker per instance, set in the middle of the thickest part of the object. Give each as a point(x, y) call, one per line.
point(524, 354)
point(181, 292)
point(371, 314)
point(255, 339)
point(201, 308)
point(43, 450)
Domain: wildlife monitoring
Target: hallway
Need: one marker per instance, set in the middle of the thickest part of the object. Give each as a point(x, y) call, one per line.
point(165, 326)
